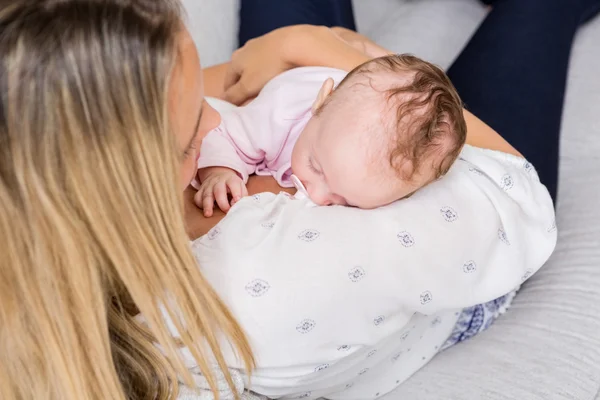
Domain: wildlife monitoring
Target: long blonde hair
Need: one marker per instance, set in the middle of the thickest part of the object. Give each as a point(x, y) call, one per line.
point(91, 215)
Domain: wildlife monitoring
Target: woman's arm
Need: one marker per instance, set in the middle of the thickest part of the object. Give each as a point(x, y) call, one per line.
point(262, 59)
point(479, 134)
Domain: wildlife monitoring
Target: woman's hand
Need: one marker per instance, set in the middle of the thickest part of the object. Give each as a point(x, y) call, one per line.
point(254, 64)
point(360, 42)
point(263, 58)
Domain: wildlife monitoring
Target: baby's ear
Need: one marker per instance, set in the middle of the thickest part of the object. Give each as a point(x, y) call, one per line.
point(324, 93)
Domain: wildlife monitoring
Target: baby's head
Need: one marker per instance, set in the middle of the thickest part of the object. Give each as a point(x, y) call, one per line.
point(392, 126)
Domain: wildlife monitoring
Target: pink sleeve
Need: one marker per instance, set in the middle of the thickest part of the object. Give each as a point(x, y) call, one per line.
point(221, 149)
point(245, 138)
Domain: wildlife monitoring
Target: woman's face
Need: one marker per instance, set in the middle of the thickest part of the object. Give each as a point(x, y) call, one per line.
point(192, 117)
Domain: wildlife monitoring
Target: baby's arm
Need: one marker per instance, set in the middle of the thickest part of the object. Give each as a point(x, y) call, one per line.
point(233, 151)
point(221, 170)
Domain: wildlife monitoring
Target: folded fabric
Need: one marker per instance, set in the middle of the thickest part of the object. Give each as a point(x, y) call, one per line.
point(203, 392)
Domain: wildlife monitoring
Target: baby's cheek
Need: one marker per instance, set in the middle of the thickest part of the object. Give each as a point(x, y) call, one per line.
point(299, 173)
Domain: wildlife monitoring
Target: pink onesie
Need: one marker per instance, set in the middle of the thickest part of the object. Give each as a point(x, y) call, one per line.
point(259, 138)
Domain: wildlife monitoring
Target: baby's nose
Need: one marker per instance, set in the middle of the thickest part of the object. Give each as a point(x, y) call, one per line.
point(319, 198)
point(325, 202)
point(338, 200)
point(322, 197)
point(318, 195)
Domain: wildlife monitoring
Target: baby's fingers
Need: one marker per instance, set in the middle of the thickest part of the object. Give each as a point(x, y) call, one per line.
point(220, 191)
point(198, 198)
point(208, 201)
point(204, 200)
point(236, 187)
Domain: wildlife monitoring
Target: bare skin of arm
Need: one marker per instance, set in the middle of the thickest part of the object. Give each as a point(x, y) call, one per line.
point(479, 134)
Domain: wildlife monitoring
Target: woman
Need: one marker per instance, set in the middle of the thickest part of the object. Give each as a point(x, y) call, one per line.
point(108, 83)
point(97, 147)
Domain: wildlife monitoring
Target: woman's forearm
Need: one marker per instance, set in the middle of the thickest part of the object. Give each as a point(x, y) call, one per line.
point(318, 46)
point(479, 134)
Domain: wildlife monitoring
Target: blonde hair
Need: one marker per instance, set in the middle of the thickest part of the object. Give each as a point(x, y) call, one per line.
point(91, 215)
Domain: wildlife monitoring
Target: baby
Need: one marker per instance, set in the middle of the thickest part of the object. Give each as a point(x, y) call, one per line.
point(391, 126)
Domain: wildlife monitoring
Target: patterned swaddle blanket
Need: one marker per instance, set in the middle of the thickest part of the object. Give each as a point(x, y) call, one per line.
point(271, 226)
point(472, 321)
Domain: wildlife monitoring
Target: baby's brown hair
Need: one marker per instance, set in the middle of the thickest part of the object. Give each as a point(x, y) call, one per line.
point(429, 121)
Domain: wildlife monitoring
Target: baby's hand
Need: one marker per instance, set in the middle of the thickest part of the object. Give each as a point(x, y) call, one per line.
point(217, 183)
